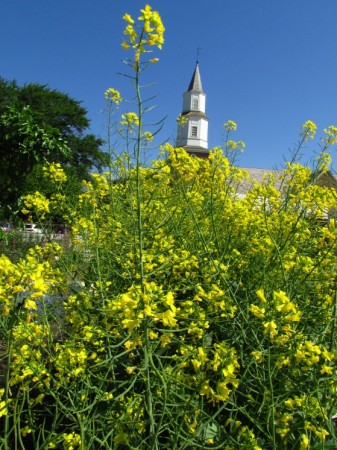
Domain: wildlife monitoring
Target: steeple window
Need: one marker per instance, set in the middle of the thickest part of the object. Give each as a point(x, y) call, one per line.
point(194, 131)
point(195, 103)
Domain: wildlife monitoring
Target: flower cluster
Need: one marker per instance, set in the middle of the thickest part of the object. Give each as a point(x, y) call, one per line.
point(36, 203)
point(309, 129)
point(54, 173)
point(129, 120)
point(230, 125)
point(113, 95)
point(330, 135)
point(149, 33)
point(208, 317)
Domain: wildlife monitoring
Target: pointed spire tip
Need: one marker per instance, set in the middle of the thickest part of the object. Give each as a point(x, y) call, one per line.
point(195, 84)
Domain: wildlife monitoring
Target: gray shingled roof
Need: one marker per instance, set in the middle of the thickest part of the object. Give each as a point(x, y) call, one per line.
point(323, 179)
point(257, 175)
point(195, 84)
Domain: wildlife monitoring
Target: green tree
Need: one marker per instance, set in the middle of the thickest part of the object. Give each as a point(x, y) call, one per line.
point(23, 145)
point(48, 106)
point(38, 124)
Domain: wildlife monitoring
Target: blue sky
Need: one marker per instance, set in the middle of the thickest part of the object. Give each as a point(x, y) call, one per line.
point(269, 65)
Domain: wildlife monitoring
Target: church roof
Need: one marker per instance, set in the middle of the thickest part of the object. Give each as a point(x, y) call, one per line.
point(323, 179)
point(195, 84)
point(258, 175)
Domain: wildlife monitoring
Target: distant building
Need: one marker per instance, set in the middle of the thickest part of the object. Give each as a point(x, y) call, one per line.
point(193, 137)
point(322, 179)
point(193, 132)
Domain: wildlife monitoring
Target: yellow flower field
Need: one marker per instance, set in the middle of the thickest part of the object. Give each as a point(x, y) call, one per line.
point(182, 315)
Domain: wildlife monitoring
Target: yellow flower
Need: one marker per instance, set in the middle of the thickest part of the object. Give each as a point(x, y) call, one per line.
point(55, 173)
point(331, 135)
point(153, 334)
point(130, 31)
point(196, 364)
point(30, 304)
point(281, 297)
point(130, 119)
point(321, 433)
point(261, 296)
point(3, 409)
point(256, 311)
point(148, 136)
point(36, 202)
point(168, 319)
point(128, 19)
point(26, 430)
point(327, 369)
point(270, 328)
point(230, 126)
point(257, 355)
point(289, 403)
point(309, 129)
point(296, 317)
point(182, 120)
point(148, 311)
point(131, 370)
point(146, 13)
point(113, 95)
point(304, 442)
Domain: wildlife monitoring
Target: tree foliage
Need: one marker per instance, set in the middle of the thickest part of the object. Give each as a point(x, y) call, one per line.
point(24, 144)
point(39, 125)
point(49, 107)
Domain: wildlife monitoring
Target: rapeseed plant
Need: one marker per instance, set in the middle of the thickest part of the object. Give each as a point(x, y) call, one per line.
point(182, 315)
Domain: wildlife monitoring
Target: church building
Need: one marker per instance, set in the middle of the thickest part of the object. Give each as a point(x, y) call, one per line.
point(193, 137)
point(193, 130)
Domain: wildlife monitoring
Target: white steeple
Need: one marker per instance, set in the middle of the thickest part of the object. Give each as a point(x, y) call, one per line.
point(193, 134)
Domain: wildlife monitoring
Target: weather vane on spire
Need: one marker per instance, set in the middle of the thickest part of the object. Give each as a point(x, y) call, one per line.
point(198, 53)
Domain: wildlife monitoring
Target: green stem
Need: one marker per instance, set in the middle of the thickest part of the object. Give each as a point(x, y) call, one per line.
point(147, 350)
point(334, 320)
point(12, 323)
point(272, 405)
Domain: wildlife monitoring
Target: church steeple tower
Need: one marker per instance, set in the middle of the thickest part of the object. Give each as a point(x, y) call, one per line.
point(193, 132)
